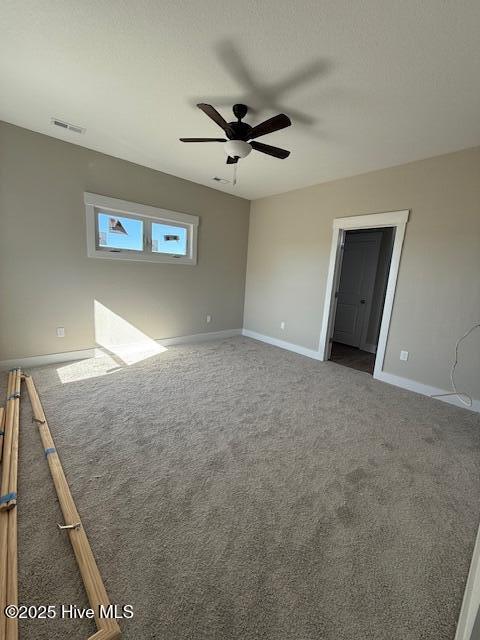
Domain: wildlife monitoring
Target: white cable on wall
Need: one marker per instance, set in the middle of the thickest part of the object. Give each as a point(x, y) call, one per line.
point(459, 394)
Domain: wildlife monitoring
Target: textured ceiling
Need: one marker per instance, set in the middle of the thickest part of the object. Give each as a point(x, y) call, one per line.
point(368, 83)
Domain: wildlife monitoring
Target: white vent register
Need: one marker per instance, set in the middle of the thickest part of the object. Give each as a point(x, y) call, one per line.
point(68, 126)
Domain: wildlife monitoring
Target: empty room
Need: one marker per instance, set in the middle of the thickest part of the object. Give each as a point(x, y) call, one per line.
point(240, 320)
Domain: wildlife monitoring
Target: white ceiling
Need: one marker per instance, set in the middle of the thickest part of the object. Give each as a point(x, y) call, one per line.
point(380, 82)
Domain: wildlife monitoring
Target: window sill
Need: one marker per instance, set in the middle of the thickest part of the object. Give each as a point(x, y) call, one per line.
point(139, 257)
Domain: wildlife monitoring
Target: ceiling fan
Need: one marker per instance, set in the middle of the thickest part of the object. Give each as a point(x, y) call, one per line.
point(239, 134)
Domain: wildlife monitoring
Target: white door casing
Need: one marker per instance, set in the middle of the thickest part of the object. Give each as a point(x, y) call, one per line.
point(396, 219)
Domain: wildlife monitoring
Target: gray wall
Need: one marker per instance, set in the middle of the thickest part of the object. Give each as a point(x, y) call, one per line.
point(46, 279)
point(438, 292)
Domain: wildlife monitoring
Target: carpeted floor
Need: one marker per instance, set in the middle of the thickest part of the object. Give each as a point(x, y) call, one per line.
point(233, 490)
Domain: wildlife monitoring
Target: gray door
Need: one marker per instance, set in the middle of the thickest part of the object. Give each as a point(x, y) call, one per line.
point(357, 281)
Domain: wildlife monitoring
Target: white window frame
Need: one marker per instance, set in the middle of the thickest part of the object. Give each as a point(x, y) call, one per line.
point(95, 204)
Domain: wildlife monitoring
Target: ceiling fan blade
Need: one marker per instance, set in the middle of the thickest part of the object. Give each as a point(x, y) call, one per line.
point(276, 152)
point(212, 113)
point(269, 126)
point(202, 139)
point(231, 160)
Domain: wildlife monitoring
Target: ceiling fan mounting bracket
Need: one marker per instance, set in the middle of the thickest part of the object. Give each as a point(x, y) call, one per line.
point(240, 110)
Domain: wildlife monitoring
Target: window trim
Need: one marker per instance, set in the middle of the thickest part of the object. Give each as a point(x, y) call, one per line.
point(95, 204)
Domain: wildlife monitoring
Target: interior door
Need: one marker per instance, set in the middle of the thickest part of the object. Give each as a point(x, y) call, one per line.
point(357, 281)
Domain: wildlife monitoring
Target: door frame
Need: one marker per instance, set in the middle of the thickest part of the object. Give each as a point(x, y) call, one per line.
point(470, 610)
point(396, 219)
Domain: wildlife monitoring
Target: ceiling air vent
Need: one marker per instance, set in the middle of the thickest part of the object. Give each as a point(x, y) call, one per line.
point(68, 126)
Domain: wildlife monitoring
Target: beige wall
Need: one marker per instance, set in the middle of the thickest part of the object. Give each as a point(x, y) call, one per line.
point(46, 279)
point(438, 291)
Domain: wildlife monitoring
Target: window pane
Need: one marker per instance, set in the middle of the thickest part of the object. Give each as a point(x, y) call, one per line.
point(117, 232)
point(169, 239)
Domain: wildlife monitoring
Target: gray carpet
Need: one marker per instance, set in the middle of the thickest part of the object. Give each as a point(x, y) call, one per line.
point(232, 490)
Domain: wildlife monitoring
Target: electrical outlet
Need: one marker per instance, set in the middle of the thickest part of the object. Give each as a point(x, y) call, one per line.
point(282, 326)
point(404, 355)
point(209, 319)
point(60, 332)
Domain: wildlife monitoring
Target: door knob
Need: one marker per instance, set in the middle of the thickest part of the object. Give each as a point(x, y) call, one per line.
point(362, 301)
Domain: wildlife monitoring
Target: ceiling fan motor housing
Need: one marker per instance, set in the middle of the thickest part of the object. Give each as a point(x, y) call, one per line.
point(238, 130)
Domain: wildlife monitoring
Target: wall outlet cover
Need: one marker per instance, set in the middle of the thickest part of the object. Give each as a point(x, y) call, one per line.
point(60, 332)
point(404, 355)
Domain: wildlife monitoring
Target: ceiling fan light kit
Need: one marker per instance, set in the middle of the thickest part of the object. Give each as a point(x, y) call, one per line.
point(237, 148)
point(240, 134)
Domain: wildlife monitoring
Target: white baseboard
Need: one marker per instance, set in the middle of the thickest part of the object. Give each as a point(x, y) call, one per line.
point(67, 356)
point(383, 376)
point(200, 337)
point(424, 389)
point(49, 358)
point(289, 346)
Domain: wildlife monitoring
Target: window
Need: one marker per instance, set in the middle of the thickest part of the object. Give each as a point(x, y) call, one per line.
point(122, 230)
point(167, 238)
point(118, 232)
